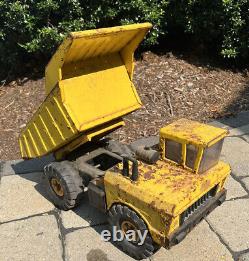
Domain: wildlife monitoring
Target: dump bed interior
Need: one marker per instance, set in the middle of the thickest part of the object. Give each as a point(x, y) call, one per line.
point(88, 84)
point(101, 92)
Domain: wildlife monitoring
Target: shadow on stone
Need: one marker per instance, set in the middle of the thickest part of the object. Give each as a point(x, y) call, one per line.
point(32, 165)
point(237, 121)
point(89, 213)
point(97, 255)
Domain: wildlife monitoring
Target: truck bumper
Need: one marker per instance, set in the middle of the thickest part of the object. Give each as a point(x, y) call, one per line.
point(195, 218)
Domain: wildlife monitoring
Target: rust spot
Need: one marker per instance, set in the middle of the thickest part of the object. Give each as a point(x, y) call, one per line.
point(205, 185)
point(153, 205)
point(149, 167)
point(196, 138)
point(149, 175)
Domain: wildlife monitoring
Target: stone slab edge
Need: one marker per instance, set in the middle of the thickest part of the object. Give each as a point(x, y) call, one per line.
point(20, 166)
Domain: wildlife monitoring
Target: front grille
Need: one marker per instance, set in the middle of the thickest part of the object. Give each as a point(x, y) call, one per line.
point(199, 203)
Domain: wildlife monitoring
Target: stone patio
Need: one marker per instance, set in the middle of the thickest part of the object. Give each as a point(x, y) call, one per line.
point(31, 228)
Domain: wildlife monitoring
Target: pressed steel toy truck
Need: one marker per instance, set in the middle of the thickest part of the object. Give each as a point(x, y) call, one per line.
point(164, 185)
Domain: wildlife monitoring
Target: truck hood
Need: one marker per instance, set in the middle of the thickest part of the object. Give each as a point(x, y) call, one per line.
point(175, 188)
point(166, 187)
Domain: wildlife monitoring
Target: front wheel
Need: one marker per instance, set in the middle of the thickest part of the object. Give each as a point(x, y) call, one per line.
point(126, 220)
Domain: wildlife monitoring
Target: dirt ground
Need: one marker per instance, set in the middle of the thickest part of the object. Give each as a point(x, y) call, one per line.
point(169, 87)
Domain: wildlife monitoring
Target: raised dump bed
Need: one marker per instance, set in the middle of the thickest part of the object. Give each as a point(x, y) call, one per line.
point(89, 88)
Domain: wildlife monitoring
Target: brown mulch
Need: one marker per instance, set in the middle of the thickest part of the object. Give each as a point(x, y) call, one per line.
point(17, 104)
point(169, 87)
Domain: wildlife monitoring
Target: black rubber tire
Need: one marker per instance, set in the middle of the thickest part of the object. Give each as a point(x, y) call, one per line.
point(70, 181)
point(118, 214)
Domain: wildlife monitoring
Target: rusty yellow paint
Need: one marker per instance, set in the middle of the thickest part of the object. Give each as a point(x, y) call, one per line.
point(49, 128)
point(162, 192)
point(192, 132)
point(198, 159)
point(88, 83)
point(185, 132)
point(103, 89)
point(85, 45)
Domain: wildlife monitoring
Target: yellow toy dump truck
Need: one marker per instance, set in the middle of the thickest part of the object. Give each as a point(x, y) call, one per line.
point(163, 185)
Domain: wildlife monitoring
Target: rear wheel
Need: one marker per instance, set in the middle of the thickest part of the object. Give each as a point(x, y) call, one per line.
point(126, 220)
point(64, 184)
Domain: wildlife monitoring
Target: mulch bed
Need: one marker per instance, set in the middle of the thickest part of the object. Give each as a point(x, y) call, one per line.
point(169, 87)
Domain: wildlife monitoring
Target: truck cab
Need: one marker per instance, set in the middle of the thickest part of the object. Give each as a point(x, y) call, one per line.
point(194, 146)
point(181, 188)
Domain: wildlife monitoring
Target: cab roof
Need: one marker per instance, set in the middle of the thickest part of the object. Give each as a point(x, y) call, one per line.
point(193, 132)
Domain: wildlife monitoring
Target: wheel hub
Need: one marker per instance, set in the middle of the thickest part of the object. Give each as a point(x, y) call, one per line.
point(129, 226)
point(57, 187)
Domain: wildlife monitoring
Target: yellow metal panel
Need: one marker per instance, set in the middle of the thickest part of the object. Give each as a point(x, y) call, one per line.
point(193, 132)
point(120, 190)
point(127, 52)
point(53, 69)
point(49, 128)
point(198, 159)
point(103, 92)
point(184, 154)
point(175, 187)
point(40, 148)
point(162, 192)
point(80, 46)
point(88, 84)
point(45, 134)
point(99, 43)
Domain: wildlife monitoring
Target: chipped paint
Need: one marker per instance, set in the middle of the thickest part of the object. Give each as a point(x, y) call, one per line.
point(162, 192)
point(193, 132)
